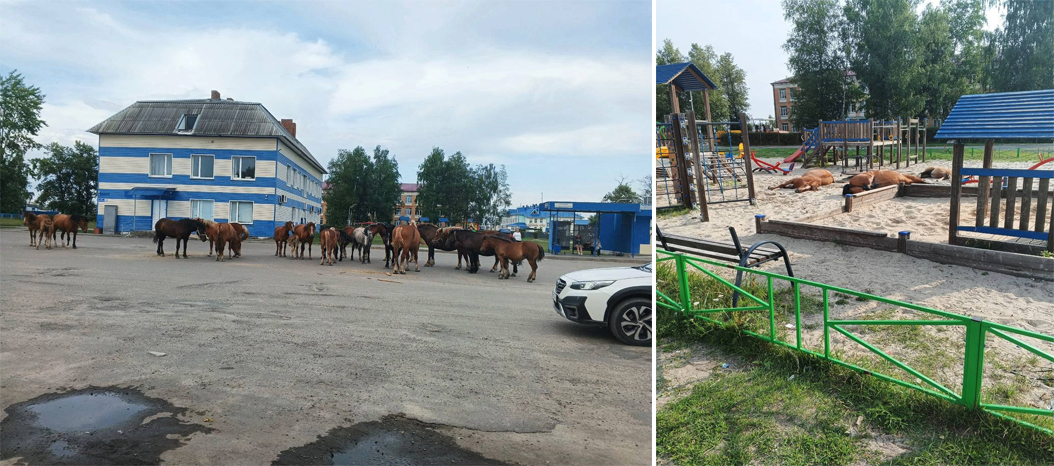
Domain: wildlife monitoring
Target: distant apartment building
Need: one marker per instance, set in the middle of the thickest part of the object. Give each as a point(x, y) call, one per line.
point(407, 208)
point(783, 96)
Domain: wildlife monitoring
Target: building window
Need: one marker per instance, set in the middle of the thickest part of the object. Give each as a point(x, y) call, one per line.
point(288, 173)
point(783, 95)
point(409, 199)
point(784, 127)
point(783, 112)
point(186, 124)
point(243, 168)
point(241, 212)
point(201, 166)
point(406, 212)
point(161, 165)
point(202, 209)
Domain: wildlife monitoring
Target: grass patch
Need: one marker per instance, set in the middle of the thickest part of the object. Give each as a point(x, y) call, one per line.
point(673, 212)
point(936, 152)
point(761, 415)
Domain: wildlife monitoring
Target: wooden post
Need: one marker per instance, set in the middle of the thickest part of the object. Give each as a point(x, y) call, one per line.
point(675, 104)
point(709, 128)
point(983, 187)
point(845, 140)
point(700, 179)
point(746, 156)
point(922, 121)
point(957, 189)
point(684, 185)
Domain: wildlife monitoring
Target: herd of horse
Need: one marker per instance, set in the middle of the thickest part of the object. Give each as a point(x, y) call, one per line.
point(812, 180)
point(401, 242)
point(43, 227)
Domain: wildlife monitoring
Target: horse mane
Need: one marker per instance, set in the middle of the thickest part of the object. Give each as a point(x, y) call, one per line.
point(495, 236)
point(207, 223)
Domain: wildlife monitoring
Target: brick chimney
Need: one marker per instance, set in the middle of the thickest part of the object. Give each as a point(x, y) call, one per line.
point(215, 95)
point(289, 126)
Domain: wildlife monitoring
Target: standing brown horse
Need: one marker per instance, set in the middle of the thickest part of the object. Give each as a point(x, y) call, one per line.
point(407, 241)
point(33, 221)
point(68, 225)
point(228, 234)
point(243, 234)
point(509, 250)
point(328, 241)
point(444, 240)
point(304, 236)
point(385, 231)
point(47, 232)
point(470, 244)
point(281, 237)
point(178, 229)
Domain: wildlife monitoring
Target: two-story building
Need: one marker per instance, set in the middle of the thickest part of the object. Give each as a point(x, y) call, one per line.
point(407, 208)
point(784, 93)
point(222, 160)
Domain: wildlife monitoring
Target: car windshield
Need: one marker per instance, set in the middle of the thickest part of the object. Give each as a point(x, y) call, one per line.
point(644, 268)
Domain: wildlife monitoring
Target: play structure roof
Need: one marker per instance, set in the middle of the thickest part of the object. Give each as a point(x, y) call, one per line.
point(1004, 115)
point(685, 76)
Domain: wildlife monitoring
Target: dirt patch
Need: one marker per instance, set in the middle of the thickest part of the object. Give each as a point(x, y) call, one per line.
point(91, 426)
point(393, 440)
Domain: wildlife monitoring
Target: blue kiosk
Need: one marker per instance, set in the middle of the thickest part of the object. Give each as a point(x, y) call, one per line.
point(620, 227)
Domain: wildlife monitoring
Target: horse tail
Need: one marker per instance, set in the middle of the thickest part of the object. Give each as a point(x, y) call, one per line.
point(846, 189)
point(344, 236)
point(541, 252)
point(156, 235)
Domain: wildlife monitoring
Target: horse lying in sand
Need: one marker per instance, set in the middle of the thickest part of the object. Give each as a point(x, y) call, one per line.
point(878, 179)
point(936, 173)
point(809, 181)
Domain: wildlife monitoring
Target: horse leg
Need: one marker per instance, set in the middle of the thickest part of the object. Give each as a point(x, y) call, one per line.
point(416, 267)
point(219, 250)
point(492, 269)
point(177, 247)
point(431, 256)
point(534, 270)
point(74, 239)
point(185, 242)
point(160, 243)
point(515, 267)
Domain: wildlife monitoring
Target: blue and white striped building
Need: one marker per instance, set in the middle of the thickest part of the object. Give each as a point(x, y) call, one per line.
point(223, 160)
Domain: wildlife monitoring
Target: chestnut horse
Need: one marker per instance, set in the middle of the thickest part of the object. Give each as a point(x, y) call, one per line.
point(508, 250)
point(34, 222)
point(178, 229)
point(227, 234)
point(809, 181)
point(68, 225)
point(406, 241)
point(281, 237)
point(328, 241)
point(878, 179)
point(304, 236)
point(385, 230)
point(47, 231)
point(470, 244)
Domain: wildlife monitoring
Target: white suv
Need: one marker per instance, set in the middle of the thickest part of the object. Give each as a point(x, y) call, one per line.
point(618, 297)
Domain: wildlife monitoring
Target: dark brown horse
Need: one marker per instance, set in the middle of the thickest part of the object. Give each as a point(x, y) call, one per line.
point(445, 241)
point(178, 229)
point(281, 237)
point(385, 230)
point(68, 225)
point(304, 236)
point(328, 240)
point(406, 241)
point(34, 222)
point(228, 234)
point(508, 250)
point(470, 244)
point(347, 237)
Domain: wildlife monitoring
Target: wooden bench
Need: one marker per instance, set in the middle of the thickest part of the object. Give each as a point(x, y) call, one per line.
point(716, 250)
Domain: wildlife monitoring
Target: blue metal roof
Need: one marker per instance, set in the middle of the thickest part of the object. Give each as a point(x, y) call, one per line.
point(1004, 115)
point(686, 76)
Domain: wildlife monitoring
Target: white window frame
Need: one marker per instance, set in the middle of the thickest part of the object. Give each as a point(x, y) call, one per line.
point(239, 178)
point(783, 95)
point(288, 173)
point(182, 119)
point(150, 165)
point(231, 208)
point(213, 201)
point(199, 171)
point(784, 127)
point(784, 112)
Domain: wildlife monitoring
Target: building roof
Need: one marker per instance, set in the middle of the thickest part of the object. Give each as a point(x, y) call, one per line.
point(1004, 115)
point(216, 117)
point(408, 187)
point(788, 80)
point(685, 76)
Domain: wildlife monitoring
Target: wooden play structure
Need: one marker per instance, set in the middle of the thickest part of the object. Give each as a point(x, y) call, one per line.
point(1007, 115)
point(899, 141)
point(693, 169)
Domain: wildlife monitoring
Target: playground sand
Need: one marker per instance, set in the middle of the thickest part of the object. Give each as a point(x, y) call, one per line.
point(1019, 302)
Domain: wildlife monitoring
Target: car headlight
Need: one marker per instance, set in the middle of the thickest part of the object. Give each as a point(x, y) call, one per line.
point(591, 285)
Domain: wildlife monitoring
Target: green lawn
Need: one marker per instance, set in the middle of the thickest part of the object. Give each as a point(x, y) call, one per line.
point(778, 406)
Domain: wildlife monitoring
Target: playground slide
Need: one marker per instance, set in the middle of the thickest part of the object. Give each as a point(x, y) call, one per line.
point(798, 153)
point(807, 145)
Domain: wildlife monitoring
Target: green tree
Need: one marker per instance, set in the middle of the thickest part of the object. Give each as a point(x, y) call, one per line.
point(490, 198)
point(1025, 47)
point(705, 58)
point(817, 60)
point(385, 190)
point(69, 178)
point(622, 193)
point(445, 185)
point(733, 86)
point(19, 122)
point(350, 181)
point(883, 36)
point(938, 82)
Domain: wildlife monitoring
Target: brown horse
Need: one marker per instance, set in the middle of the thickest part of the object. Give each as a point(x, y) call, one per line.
point(407, 241)
point(281, 238)
point(809, 181)
point(878, 179)
point(304, 236)
point(936, 173)
point(47, 231)
point(34, 222)
point(385, 230)
point(470, 244)
point(328, 241)
point(68, 225)
point(444, 240)
point(243, 234)
point(508, 250)
point(178, 229)
point(227, 234)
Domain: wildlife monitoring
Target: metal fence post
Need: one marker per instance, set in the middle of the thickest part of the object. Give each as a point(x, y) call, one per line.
point(682, 282)
point(973, 369)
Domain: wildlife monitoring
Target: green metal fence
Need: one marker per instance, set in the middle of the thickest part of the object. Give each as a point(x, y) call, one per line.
point(976, 331)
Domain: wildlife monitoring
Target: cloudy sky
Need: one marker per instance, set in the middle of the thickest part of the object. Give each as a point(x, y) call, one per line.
point(753, 31)
point(560, 93)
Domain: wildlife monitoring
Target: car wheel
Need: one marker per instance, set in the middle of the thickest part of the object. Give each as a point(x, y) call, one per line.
point(630, 322)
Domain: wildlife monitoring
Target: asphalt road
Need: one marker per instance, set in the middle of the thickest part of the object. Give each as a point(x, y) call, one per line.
point(276, 352)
